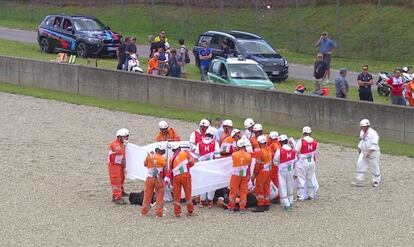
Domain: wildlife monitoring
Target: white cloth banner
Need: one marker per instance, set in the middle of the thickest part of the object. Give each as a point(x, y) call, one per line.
point(206, 175)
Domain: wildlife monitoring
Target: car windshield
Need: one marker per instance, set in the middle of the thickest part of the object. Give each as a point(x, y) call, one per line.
point(256, 46)
point(88, 24)
point(247, 71)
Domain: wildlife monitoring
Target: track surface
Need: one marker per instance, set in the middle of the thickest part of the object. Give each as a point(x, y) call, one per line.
point(55, 191)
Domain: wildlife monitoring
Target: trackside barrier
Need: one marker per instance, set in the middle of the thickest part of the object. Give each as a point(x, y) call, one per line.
point(328, 114)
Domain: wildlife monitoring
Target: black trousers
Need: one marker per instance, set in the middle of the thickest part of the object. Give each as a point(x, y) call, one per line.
point(367, 96)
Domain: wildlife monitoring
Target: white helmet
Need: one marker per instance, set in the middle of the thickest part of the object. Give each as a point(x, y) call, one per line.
point(161, 146)
point(122, 132)
point(273, 135)
point(262, 139)
point(234, 132)
point(283, 138)
point(248, 123)
point(228, 122)
point(163, 125)
point(307, 130)
point(175, 145)
point(241, 143)
point(211, 131)
point(257, 127)
point(204, 122)
point(364, 123)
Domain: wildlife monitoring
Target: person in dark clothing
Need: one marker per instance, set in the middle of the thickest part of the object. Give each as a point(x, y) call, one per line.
point(365, 81)
point(319, 70)
point(174, 69)
point(225, 49)
point(130, 48)
point(121, 55)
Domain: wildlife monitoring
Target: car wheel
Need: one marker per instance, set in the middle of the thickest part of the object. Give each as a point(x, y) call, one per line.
point(82, 50)
point(45, 45)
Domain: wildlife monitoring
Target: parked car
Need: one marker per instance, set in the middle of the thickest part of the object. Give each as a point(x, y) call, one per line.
point(81, 35)
point(248, 45)
point(240, 72)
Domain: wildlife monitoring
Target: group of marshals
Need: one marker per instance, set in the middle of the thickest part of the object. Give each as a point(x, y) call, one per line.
point(260, 163)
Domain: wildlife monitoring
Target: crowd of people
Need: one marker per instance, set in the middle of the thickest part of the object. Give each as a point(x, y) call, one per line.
point(261, 164)
point(402, 93)
point(163, 59)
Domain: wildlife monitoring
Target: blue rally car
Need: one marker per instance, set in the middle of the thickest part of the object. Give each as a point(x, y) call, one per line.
point(82, 35)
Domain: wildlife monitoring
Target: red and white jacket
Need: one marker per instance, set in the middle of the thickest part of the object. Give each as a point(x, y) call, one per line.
point(306, 149)
point(207, 149)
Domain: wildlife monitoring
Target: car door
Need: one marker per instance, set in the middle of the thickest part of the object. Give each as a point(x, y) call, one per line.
point(215, 45)
point(68, 41)
point(215, 73)
point(57, 32)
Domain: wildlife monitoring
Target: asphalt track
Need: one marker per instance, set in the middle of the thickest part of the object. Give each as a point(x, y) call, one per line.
point(296, 71)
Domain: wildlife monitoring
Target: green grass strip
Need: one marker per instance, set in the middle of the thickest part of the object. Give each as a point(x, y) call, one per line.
point(387, 146)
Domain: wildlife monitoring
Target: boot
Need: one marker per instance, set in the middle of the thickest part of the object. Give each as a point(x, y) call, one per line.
point(119, 201)
point(259, 209)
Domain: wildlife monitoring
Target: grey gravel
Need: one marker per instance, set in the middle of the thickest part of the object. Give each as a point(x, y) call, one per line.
point(55, 190)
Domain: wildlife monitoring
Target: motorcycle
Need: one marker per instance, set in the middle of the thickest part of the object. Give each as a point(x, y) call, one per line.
point(133, 64)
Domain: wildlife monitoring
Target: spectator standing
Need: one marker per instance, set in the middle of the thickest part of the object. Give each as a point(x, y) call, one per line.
point(121, 54)
point(326, 47)
point(320, 69)
point(365, 81)
point(153, 64)
point(205, 54)
point(131, 48)
point(162, 36)
point(225, 49)
point(174, 69)
point(409, 93)
point(163, 61)
point(153, 45)
point(183, 58)
point(341, 84)
point(396, 84)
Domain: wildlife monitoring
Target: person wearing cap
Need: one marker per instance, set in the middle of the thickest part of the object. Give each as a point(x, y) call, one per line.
point(320, 69)
point(155, 163)
point(199, 134)
point(166, 133)
point(369, 154)
point(240, 176)
point(116, 165)
point(306, 149)
point(326, 46)
point(208, 149)
point(365, 81)
point(228, 145)
point(284, 159)
point(248, 126)
point(341, 84)
point(179, 174)
point(261, 175)
point(274, 145)
point(227, 129)
point(257, 131)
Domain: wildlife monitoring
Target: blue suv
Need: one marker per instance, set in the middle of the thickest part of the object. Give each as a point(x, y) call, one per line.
point(82, 35)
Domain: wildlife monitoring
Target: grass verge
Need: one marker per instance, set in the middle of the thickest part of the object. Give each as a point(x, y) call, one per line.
point(389, 147)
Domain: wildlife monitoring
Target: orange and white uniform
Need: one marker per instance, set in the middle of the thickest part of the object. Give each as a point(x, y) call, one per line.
point(284, 159)
point(227, 146)
point(171, 136)
point(409, 93)
point(239, 178)
point(155, 163)
point(262, 171)
point(181, 179)
point(255, 146)
point(116, 166)
point(223, 136)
